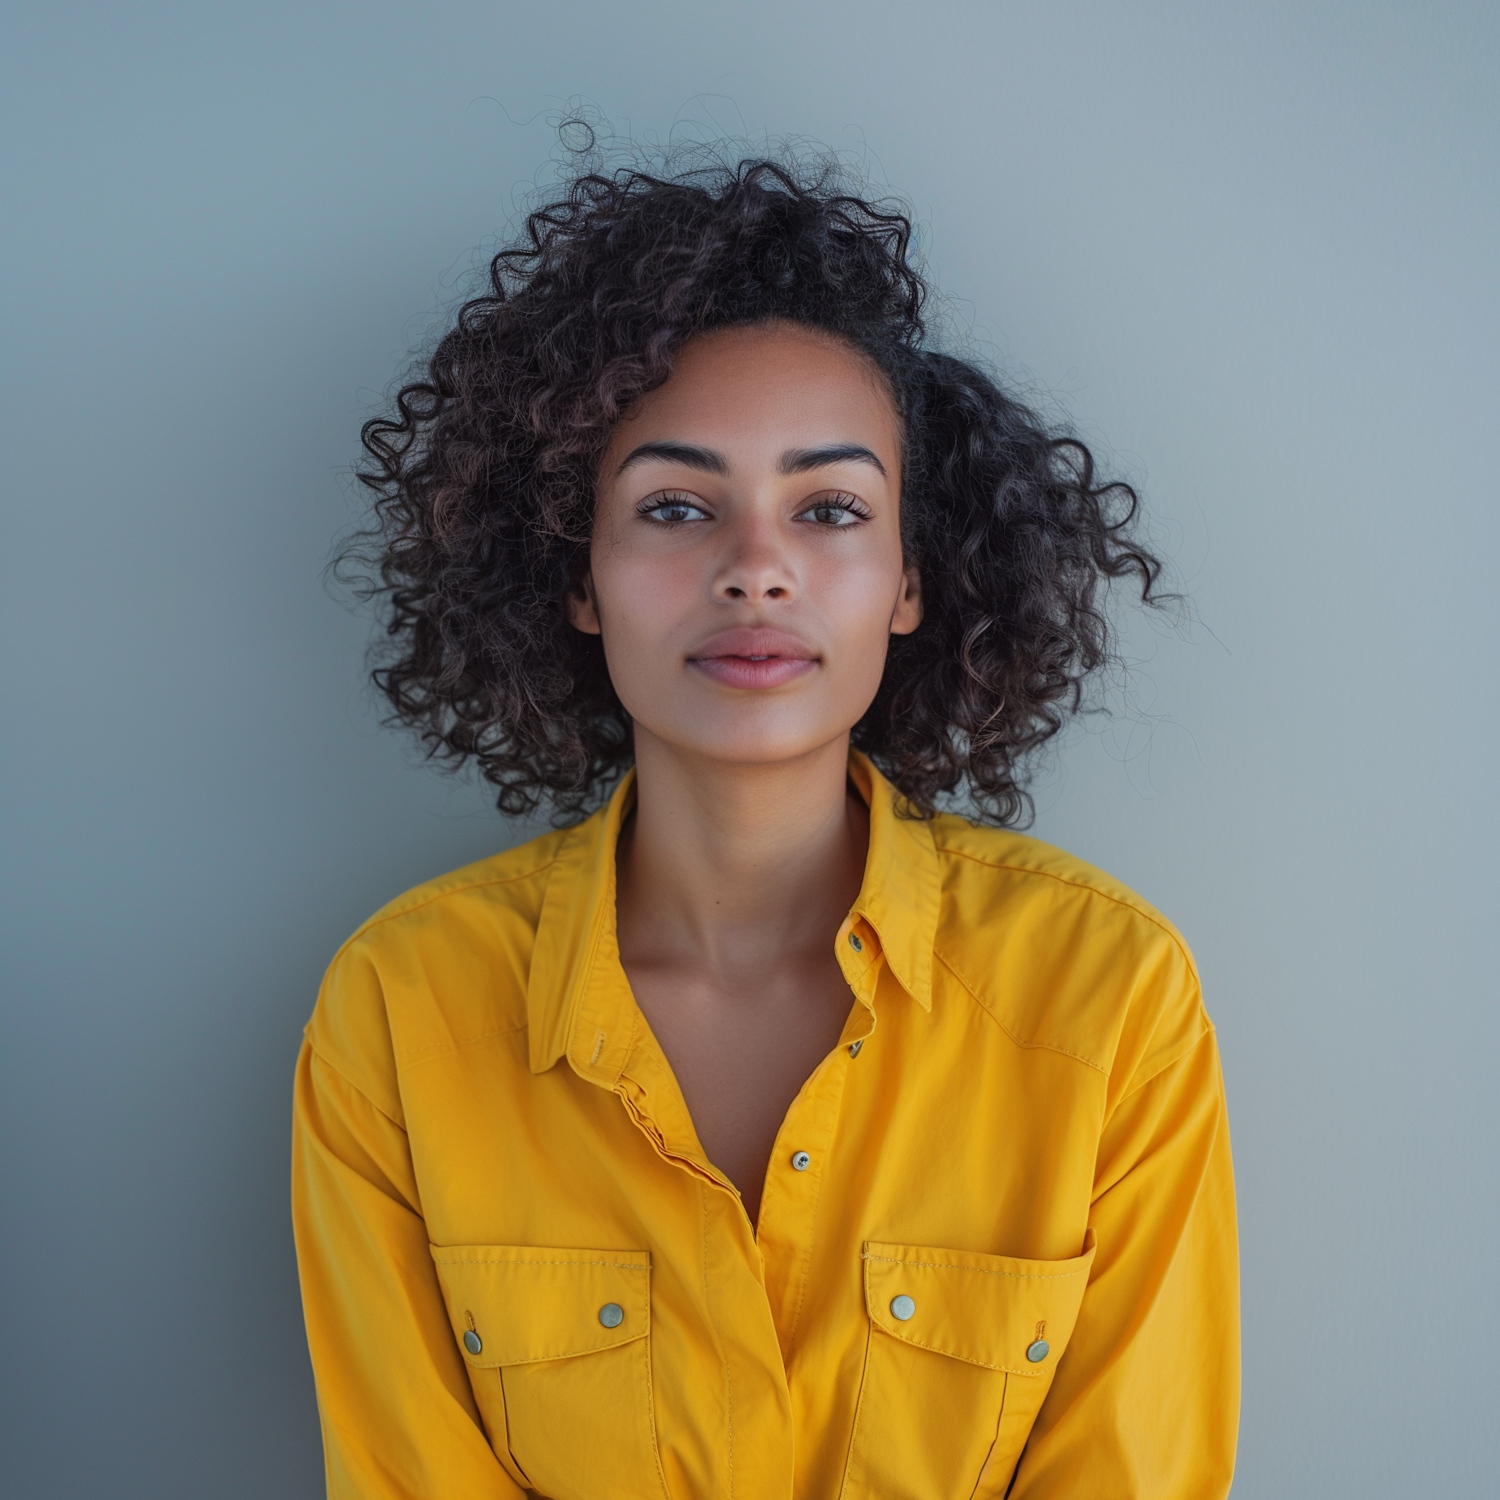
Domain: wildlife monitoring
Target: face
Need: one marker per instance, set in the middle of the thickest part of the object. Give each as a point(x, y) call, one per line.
point(746, 571)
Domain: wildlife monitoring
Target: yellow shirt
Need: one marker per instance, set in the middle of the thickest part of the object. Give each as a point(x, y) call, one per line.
point(998, 1224)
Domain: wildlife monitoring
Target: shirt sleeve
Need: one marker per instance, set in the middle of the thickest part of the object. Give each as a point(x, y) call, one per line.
point(1146, 1398)
point(398, 1415)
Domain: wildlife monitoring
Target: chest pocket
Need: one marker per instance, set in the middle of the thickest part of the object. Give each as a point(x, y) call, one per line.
point(962, 1350)
point(558, 1346)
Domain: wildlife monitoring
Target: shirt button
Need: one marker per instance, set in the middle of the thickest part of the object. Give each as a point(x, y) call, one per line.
point(902, 1308)
point(472, 1342)
point(855, 1046)
point(1039, 1351)
point(855, 943)
point(801, 1161)
point(611, 1314)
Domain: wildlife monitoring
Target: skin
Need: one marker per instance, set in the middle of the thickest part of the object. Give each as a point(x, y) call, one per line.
point(746, 575)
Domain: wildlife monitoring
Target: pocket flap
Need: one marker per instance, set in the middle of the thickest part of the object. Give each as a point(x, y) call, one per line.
point(521, 1303)
point(991, 1310)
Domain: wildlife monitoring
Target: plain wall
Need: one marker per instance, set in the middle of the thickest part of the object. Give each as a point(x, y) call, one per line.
point(1252, 250)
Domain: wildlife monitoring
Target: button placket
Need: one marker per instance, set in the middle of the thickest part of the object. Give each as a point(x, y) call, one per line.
point(788, 1210)
point(859, 958)
point(858, 951)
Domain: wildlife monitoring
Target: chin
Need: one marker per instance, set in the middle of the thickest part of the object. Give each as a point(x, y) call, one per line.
point(749, 740)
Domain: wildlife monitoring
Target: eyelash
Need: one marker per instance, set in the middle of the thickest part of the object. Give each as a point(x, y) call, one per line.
point(651, 506)
point(850, 504)
point(667, 501)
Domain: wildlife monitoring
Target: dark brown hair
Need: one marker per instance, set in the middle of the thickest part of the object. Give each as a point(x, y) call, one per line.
point(484, 482)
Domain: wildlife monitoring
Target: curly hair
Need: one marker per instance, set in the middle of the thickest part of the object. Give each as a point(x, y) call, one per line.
point(484, 478)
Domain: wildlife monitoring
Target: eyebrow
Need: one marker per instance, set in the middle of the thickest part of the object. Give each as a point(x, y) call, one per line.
point(793, 461)
point(686, 454)
point(800, 460)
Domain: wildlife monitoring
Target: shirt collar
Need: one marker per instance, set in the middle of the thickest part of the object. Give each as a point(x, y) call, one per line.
point(900, 891)
point(577, 989)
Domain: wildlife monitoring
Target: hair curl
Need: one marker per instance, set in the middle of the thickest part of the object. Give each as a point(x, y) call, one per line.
point(484, 480)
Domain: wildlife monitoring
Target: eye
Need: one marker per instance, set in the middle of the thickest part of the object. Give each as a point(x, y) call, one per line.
point(836, 510)
point(672, 510)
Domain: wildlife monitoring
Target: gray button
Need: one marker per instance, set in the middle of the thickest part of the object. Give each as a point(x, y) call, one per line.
point(1039, 1351)
point(902, 1308)
point(855, 943)
point(611, 1314)
point(855, 1046)
point(472, 1342)
point(801, 1161)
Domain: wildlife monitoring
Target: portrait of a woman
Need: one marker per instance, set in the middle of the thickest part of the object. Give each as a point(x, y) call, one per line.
point(785, 1122)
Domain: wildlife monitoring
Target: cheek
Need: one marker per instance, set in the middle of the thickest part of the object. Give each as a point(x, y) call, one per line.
point(643, 601)
point(857, 595)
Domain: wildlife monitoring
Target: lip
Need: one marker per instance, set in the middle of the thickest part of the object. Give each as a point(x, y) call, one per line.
point(753, 657)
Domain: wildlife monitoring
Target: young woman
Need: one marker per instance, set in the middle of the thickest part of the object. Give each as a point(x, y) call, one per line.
point(768, 1132)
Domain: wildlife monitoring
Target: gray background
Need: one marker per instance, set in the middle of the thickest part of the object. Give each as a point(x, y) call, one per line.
point(1251, 249)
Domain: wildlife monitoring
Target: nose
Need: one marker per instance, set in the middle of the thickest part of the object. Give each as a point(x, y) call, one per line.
point(755, 565)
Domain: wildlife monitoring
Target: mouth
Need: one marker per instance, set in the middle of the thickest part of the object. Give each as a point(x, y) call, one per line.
point(753, 658)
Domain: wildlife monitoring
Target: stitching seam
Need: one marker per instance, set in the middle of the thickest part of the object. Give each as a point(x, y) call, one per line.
point(541, 1359)
point(371, 923)
point(1168, 1065)
point(805, 1258)
point(859, 1410)
point(999, 1417)
point(983, 1364)
point(661, 1473)
point(319, 1052)
point(935, 1265)
point(618, 1265)
point(439, 1049)
point(1079, 885)
point(983, 1004)
point(718, 1343)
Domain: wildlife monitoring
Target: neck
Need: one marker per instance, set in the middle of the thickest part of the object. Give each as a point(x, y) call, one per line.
point(729, 864)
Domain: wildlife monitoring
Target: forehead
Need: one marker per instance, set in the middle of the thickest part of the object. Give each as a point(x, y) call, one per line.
point(751, 393)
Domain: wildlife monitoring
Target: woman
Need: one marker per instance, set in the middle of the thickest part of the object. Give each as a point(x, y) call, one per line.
point(768, 1132)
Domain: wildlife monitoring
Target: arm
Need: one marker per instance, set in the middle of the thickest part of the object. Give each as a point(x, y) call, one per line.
point(398, 1414)
point(1146, 1400)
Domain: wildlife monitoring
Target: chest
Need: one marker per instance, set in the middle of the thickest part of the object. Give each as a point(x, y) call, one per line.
point(741, 1048)
point(746, 1362)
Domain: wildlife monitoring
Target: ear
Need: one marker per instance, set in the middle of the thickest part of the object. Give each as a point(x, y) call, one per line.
point(583, 613)
point(908, 612)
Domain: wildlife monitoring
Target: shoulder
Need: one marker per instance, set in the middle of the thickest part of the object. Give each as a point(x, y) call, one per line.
point(983, 866)
point(1063, 955)
point(443, 964)
point(506, 887)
